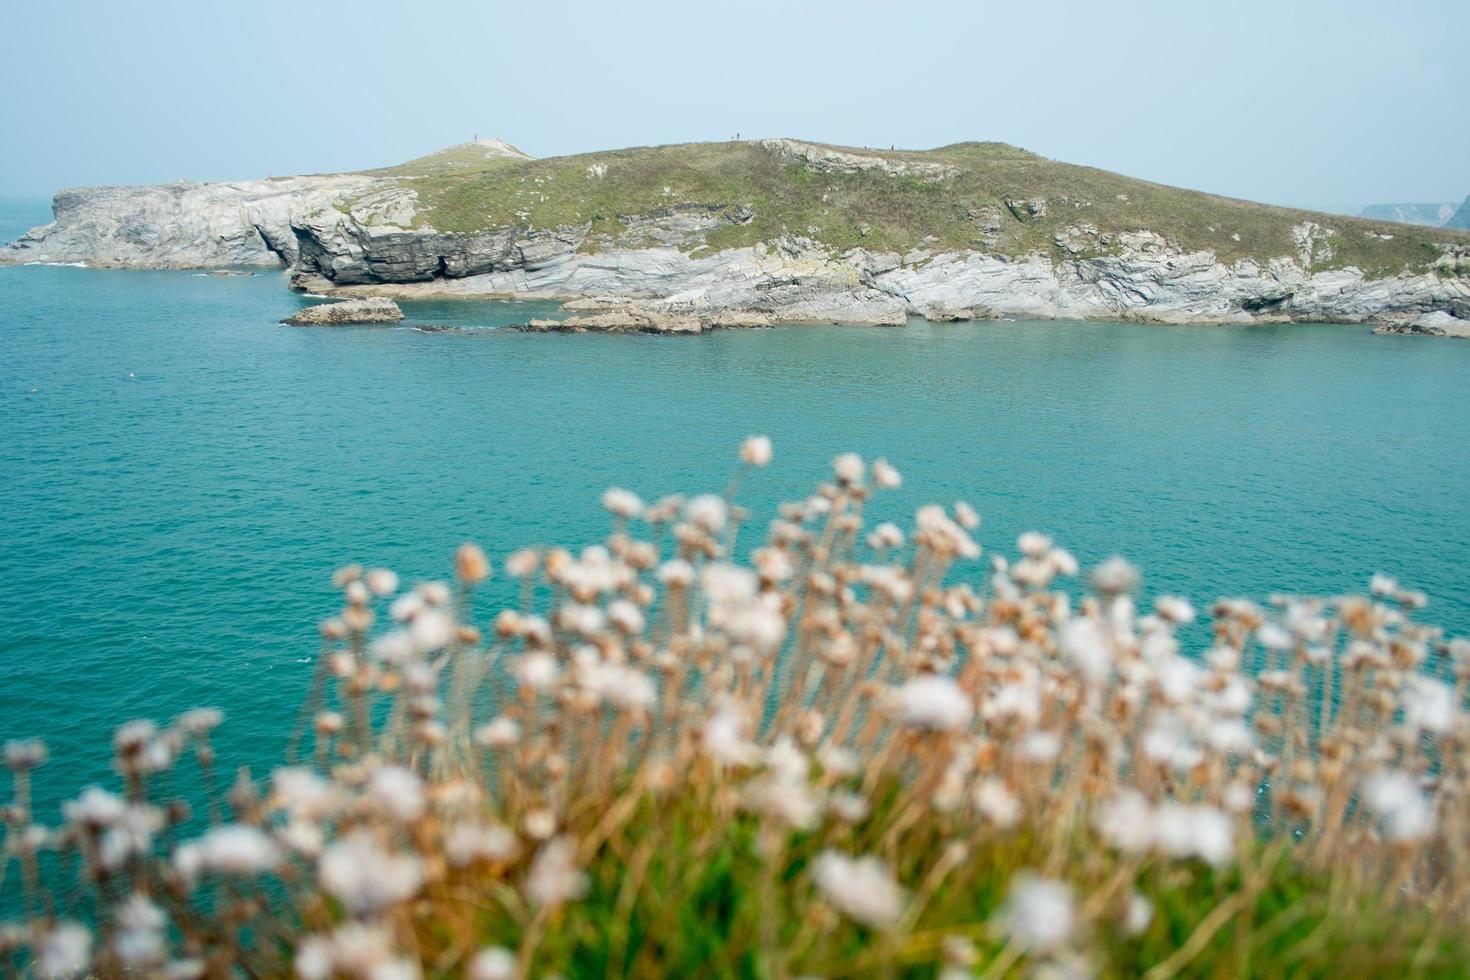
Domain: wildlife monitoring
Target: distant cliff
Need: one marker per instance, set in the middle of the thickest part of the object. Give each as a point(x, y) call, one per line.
point(1429, 215)
point(1461, 218)
point(778, 231)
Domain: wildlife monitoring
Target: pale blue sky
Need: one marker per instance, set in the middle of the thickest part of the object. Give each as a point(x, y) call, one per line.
point(1319, 104)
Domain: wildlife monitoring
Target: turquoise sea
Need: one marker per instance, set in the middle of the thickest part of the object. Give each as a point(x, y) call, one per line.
point(179, 474)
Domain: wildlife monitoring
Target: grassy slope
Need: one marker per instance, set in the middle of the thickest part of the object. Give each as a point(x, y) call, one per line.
point(460, 190)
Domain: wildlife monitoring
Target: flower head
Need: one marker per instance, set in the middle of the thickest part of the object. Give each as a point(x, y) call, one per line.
point(756, 450)
point(933, 702)
point(1038, 913)
point(862, 888)
point(365, 877)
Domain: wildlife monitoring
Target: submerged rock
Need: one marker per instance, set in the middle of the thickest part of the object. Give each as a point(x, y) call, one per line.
point(373, 309)
point(624, 320)
point(665, 317)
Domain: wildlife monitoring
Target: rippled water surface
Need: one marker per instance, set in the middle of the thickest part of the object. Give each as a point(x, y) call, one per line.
point(179, 474)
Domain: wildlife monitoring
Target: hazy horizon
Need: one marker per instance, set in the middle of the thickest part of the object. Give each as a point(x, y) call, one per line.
point(1301, 106)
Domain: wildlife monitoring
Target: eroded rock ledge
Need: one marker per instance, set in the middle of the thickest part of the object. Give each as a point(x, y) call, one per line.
point(798, 280)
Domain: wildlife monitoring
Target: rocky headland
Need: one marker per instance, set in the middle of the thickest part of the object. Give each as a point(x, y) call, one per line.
point(682, 239)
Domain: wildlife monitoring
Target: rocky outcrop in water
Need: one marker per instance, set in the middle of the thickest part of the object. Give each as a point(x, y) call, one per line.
point(1437, 324)
point(373, 309)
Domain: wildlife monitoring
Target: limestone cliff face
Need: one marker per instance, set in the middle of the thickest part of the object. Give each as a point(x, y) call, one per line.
point(184, 224)
point(796, 279)
point(188, 224)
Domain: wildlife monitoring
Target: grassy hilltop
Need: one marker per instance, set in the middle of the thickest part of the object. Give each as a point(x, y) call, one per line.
point(999, 198)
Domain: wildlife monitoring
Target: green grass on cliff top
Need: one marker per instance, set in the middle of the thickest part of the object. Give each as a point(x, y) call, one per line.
point(462, 190)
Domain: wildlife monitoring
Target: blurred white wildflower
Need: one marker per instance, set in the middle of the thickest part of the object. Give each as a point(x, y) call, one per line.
point(304, 837)
point(946, 534)
point(397, 793)
point(133, 736)
point(997, 803)
point(1194, 830)
point(1429, 705)
point(493, 963)
point(933, 702)
point(1038, 913)
point(554, 878)
point(406, 607)
point(1382, 585)
point(626, 617)
point(1115, 577)
point(139, 940)
point(1033, 544)
point(760, 625)
point(359, 950)
point(622, 503)
point(431, 630)
point(499, 733)
point(1040, 746)
point(849, 468)
point(1127, 822)
point(236, 849)
point(708, 513)
point(65, 950)
point(886, 535)
point(467, 843)
point(676, 573)
point(1395, 796)
point(1274, 636)
point(848, 807)
point(622, 686)
point(522, 564)
point(1086, 644)
point(94, 807)
point(862, 888)
point(537, 670)
point(725, 739)
point(304, 794)
point(201, 721)
point(365, 877)
point(1137, 914)
point(885, 477)
point(756, 450)
point(1174, 609)
point(381, 582)
point(784, 793)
